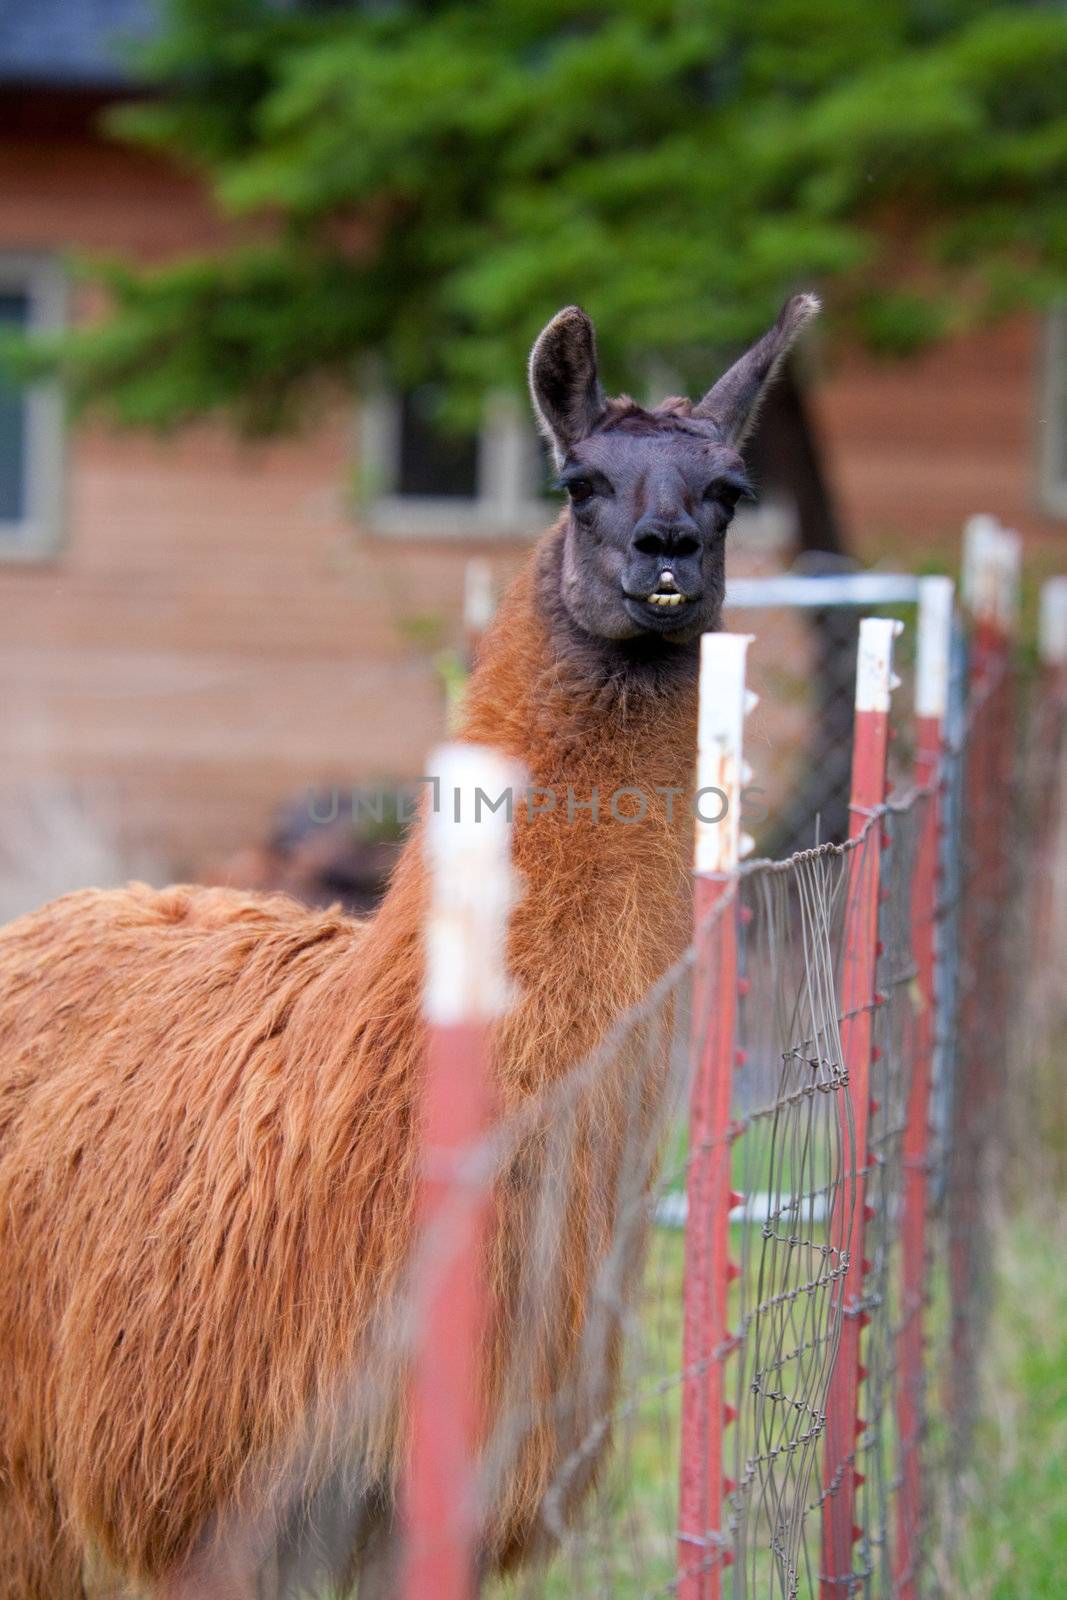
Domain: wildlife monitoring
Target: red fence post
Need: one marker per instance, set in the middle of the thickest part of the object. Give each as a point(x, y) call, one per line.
point(990, 573)
point(1049, 720)
point(874, 682)
point(931, 702)
point(468, 848)
point(720, 778)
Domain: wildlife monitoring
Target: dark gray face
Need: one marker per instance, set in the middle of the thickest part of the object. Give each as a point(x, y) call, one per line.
point(651, 492)
point(645, 541)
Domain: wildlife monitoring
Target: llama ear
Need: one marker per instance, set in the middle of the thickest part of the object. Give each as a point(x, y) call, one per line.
point(563, 380)
point(734, 401)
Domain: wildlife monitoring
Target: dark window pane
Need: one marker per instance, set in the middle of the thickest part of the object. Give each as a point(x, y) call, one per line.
point(434, 461)
point(14, 312)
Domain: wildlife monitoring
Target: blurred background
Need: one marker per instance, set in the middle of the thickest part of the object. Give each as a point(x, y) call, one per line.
point(281, 262)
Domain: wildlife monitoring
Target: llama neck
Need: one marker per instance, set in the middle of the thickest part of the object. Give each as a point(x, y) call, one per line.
point(604, 862)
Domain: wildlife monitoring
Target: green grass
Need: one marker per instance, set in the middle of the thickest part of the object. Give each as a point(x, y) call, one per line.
point(1014, 1544)
point(1012, 1541)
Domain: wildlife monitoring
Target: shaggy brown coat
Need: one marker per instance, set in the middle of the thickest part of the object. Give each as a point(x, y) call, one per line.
point(207, 1154)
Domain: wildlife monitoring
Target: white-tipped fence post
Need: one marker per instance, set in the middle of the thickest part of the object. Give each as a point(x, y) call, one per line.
point(932, 672)
point(978, 576)
point(1052, 624)
point(991, 569)
point(468, 851)
point(1050, 715)
point(875, 681)
point(721, 776)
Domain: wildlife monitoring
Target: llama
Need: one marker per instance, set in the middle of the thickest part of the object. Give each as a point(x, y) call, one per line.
point(208, 1098)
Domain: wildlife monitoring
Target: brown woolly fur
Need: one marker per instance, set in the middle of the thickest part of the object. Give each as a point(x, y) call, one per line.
point(207, 1118)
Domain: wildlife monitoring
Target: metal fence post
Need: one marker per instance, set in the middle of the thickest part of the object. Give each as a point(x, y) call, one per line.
point(1049, 717)
point(932, 674)
point(874, 682)
point(946, 1033)
point(1052, 626)
point(990, 585)
point(468, 851)
point(702, 1552)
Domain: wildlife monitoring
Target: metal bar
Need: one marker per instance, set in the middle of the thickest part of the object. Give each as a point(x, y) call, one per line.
point(470, 868)
point(702, 1549)
point(931, 706)
point(833, 589)
point(1052, 623)
point(844, 1426)
point(991, 575)
point(946, 1039)
point(1049, 717)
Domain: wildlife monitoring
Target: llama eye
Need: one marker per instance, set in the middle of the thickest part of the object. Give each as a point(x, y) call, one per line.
point(728, 491)
point(721, 494)
point(580, 490)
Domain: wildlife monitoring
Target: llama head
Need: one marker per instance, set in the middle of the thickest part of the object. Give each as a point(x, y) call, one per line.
point(651, 492)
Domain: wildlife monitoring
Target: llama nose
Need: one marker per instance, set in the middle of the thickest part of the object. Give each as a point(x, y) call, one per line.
point(655, 536)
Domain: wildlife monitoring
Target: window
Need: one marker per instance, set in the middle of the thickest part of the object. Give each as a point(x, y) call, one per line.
point(1053, 418)
point(423, 479)
point(32, 295)
point(431, 462)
